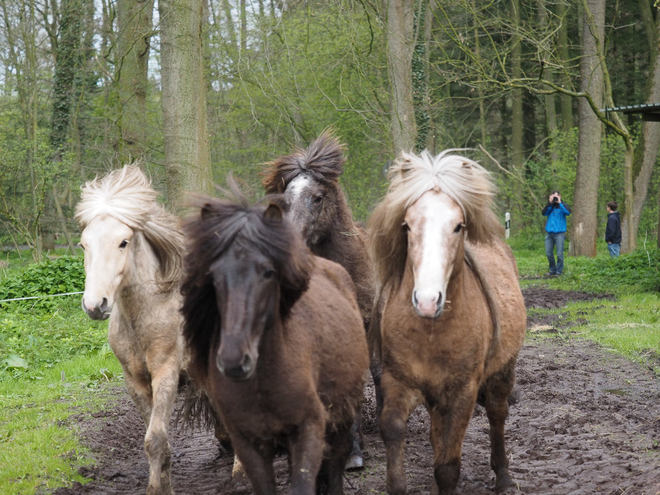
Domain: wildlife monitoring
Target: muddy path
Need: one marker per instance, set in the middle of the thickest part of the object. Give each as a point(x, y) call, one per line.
point(587, 422)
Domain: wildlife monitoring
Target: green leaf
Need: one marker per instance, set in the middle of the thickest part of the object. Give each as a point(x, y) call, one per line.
point(14, 361)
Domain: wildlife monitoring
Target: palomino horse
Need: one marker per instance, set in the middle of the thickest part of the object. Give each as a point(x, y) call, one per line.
point(454, 317)
point(277, 341)
point(133, 264)
point(307, 181)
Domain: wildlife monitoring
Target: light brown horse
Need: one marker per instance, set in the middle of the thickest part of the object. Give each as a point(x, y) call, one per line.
point(133, 265)
point(454, 318)
point(276, 338)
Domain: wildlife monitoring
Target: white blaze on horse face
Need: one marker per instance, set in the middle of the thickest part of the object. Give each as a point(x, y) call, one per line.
point(294, 197)
point(296, 188)
point(432, 243)
point(106, 242)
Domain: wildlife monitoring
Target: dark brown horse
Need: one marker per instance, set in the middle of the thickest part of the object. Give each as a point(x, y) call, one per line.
point(454, 318)
point(276, 339)
point(308, 183)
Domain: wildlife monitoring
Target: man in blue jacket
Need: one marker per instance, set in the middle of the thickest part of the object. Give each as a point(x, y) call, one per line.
point(555, 228)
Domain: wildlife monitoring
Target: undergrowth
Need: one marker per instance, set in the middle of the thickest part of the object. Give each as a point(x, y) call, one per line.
point(59, 276)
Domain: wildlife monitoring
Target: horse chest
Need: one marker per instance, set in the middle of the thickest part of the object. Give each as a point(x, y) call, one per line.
point(430, 350)
point(264, 411)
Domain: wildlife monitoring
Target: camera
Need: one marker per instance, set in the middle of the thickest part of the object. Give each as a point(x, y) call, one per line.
point(555, 199)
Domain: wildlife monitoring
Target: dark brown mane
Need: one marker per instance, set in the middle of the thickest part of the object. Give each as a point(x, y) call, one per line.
point(210, 233)
point(324, 160)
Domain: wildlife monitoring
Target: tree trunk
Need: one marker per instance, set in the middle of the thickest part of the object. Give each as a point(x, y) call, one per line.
point(184, 99)
point(649, 142)
point(66, 56)
point(566, 100)
point(134, 19)
point(585, 216)
point(517, 93)
point(420, 71)
point(550, 111)
point(400, 45)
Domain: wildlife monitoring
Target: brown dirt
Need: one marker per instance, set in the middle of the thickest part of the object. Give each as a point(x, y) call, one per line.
point(588, 422)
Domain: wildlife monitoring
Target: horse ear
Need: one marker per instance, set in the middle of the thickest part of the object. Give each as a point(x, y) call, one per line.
point(273, 212)
point(406, 166)
point(207, 211)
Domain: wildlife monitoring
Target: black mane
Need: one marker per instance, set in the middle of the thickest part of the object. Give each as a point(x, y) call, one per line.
point(209, 234)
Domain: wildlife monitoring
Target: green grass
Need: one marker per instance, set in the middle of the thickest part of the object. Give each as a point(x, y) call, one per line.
point(33, 341)
point(39, 449)
point(631, 324)
point(53, 360)
point(627, 274)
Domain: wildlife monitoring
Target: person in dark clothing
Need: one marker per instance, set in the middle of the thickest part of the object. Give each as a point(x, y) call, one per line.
point(555, 228)
point(613, 230)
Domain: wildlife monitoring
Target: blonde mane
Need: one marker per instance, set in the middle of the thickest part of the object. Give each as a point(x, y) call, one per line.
point(126, 195)
point(462, 179)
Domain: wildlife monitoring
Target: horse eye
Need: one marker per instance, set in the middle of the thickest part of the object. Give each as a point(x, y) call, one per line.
point(458, 228)
point(123, 244)
point(318, 199)
point(268, 274)
point(81, 246)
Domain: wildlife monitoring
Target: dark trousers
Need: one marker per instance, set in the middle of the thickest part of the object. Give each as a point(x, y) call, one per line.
point(552, 241)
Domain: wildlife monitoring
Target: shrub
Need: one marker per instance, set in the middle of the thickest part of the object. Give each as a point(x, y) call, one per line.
point(59, 276)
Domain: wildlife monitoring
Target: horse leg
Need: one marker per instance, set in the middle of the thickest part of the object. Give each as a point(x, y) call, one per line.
point(497, 390)
point(306, 454)
point(355, 459)
point(257, 463)
point(140, 392)
point(448, 426)
point(164, 383)
point(398, 402)
point(330, 479)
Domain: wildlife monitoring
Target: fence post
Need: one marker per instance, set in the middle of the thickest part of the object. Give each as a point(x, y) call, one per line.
point(507, 224)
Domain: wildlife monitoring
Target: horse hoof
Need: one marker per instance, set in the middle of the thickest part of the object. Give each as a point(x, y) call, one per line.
point(514, 397)
point(354, 462)
point(503, 483)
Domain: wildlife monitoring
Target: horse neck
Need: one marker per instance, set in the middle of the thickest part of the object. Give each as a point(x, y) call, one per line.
point(141, 279)
point(342, 238)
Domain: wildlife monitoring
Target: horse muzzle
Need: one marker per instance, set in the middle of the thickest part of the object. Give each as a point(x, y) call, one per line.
point(100, 311)
point(428, 307)
point(240, 371)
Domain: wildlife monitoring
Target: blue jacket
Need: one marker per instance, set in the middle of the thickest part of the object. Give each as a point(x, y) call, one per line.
point(556, 214)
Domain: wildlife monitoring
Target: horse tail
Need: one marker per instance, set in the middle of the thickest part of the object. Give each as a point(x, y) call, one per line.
point(489, 292)
point(195, 410)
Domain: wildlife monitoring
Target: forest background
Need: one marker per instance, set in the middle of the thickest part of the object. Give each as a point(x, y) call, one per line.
point(198, 88)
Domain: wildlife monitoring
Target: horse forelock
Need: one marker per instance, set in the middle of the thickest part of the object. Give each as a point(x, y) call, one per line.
point(210, 234)
point(126, 195)
point(323, 160)
point(462, 179)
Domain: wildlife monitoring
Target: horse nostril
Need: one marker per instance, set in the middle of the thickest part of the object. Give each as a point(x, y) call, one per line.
point(415, 301)
point(247, 363)
point(104, 305)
